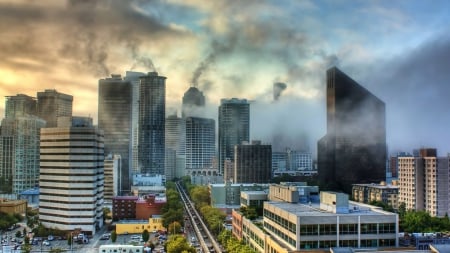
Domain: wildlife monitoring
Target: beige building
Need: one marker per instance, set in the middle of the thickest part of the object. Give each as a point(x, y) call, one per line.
point(72, 177)
point(424, 182)
point(13, 206)
point(367, 193)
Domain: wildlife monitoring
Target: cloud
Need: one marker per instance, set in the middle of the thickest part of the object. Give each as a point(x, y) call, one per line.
point(414, 87)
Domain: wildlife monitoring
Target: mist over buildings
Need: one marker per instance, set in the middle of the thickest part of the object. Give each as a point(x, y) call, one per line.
point(239, 49)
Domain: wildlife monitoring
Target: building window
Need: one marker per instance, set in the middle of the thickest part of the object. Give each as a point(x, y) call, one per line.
point(369, 228)
point(345, 229)
point(309, 229)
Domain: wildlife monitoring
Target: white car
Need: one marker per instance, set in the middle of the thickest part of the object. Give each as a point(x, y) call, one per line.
point(46, 243)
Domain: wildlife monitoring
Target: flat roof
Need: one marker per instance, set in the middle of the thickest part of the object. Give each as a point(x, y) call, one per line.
point(379, 186)
point(313, 209)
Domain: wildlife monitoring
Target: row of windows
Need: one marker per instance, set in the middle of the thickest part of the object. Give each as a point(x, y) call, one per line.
point(254, 237)
point(371, 243)
point(292, 227)
point(330, 229)
point(67, 223)
point(66, 209)
point(280, 234)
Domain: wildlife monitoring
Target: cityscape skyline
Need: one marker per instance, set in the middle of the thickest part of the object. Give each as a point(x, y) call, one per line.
point(395, 49)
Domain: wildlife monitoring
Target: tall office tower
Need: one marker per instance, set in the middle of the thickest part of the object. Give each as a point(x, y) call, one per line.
point(252, 163)
point(200, 143)
point(354, 148)
point(234, 127)
point(20, 105)
point(114, 118)
point(52, 104)
point(175, 142)
point(424, 182)
point(72, 177)
point(170, 164)
point(19, 144)
point(112, 174)
point(152, 116)
point(175, 134)
point(193, 102)
point(133, 78)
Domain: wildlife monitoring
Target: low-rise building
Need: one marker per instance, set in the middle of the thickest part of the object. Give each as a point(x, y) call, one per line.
point(13, 206)
point(334, 222)
point(138, 226)
point(149, 205)
point(124, 207)
point(367, 193)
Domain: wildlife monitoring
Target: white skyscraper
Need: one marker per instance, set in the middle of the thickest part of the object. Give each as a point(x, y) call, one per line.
point(72, 177)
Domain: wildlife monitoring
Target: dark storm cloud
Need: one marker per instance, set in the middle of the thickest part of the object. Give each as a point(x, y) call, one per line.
point(415, 87)
point(81, 34)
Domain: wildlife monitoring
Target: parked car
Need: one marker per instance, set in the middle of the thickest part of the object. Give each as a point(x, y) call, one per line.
point(46, 243)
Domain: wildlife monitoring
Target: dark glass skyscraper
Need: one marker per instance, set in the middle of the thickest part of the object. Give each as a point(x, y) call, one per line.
point(114, 118)
point(354, 148)
point(234, 127)
point(152, 116)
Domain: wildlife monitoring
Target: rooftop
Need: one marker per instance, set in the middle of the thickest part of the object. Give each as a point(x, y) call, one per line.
point(313, 209)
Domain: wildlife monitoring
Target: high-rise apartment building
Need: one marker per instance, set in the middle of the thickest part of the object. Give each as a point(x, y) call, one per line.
point(234, 128)
point(200, 142)
point(19, 144)
point(152, 116)
point(193, 102)
point(19, 152)
point(252, 163)
point(20, 105)
point(424, 182)
point(354, 148)
point(72, 177)
point(52, 104)
point(114, 118)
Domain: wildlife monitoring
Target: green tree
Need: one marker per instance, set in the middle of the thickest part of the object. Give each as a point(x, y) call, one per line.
point(113, 236)
point(174, 228)
point(177, 244)
point(106, 213)
point(18, 233)
point(171, 216)
point(200, 195)
point(145, 235)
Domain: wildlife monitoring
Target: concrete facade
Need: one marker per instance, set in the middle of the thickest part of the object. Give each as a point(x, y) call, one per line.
point(72, 177)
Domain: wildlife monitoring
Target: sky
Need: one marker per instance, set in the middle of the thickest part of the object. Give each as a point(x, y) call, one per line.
point(399, 50)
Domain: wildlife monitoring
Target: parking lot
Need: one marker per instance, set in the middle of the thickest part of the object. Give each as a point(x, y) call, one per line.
point(91, 246)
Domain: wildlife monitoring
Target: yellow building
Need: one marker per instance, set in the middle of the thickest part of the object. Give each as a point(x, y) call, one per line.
point(138, 226)
point(13, 206)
